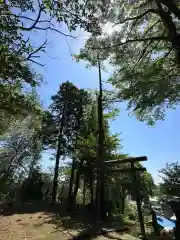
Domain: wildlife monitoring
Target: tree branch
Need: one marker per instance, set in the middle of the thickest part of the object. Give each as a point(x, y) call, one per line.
point(28, 18)
point(132, 26)
point(56, 30)
point(150, 52)
point(42, 28)
point(142, 54)
point(158, 38)
point(137, 17)
point(35, 22)
point(23, 45)
point(144, 4)
point(35, 51)
point(151, 27)
point(40, 64)
point(167, 54)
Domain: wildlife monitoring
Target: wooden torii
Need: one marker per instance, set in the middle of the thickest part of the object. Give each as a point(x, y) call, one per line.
point(133, 171)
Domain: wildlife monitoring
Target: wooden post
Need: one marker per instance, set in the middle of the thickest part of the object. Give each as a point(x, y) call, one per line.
point(138, 201)
point(155, 224)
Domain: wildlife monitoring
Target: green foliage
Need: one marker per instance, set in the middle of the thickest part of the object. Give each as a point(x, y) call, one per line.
point(14, 49)
point(32, 187)
point(16, 105)
point(144, 50)
point(85, 156)
point(87, 140)
point(170, 175)
point(64, 123)
point(69, 101)
point(20, 150)
point(17, 51)
point(147, 183)
point(131, 212)
point(75, 14)
point(124, 181)
point(157, 191)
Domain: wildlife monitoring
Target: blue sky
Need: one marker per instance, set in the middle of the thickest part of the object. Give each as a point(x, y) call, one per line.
point(159, 143)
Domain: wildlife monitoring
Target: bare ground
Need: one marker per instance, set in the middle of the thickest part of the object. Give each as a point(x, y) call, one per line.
point(29, 226)
point(38, 223)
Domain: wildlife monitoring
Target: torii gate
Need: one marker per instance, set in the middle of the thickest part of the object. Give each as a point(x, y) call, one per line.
point(133, 170)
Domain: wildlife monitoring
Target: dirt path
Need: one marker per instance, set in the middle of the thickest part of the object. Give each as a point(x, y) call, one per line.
point(28, 226)
point(40, 225)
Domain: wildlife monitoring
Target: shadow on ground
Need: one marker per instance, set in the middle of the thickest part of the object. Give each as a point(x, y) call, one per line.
point(80, 221)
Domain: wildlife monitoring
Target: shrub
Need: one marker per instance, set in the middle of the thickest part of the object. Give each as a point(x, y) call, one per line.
point(131, 212)
point(32, 187)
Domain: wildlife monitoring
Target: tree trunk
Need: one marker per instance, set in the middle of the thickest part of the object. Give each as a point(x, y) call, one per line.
point(77, 184)
point(84, 193)
point(58, 154)
point(60, 196)
point(71, 180)
point(35, 155)
point(97, 204)
point(123, 201)
point(101, 170)
point(70, 194)
point(91, 188)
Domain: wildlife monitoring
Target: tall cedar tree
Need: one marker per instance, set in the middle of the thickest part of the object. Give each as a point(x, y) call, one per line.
point(88, 142)
point(63, 123)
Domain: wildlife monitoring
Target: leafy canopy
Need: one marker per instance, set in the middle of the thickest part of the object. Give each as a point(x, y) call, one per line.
point(17, 105)
point(18, 53)
point(69, 104)
point(16, 48)
point(170, 175)
point(144, 48)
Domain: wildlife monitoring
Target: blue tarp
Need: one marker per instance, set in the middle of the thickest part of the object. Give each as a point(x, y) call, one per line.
point(164, 222)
